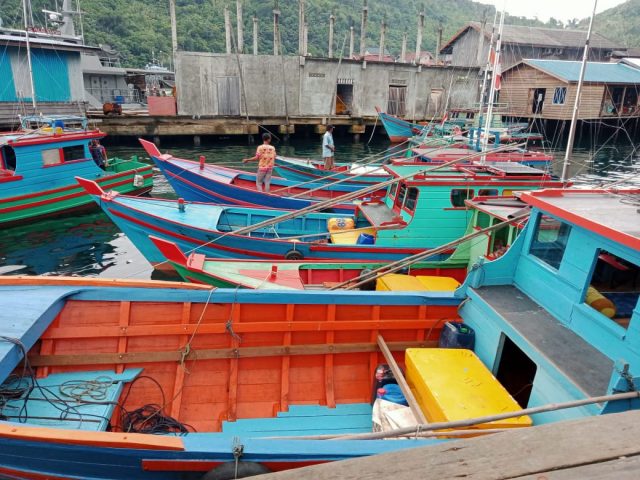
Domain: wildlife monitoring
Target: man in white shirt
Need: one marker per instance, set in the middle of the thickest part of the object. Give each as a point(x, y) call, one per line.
point(328, 148)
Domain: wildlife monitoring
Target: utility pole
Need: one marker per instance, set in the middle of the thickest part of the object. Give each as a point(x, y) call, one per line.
point(351, 40)
point(403, 52)
point(301, 22)
point(419, 38)
point(383, 31)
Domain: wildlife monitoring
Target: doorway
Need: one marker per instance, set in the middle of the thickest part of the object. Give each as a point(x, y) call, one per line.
point(516, 371)
point(538, 100)
point(344, 99)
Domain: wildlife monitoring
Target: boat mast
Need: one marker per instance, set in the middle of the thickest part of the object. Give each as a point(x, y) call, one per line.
point(487, 66)
point(576, 104)
point(492, 91)
point(26, 32)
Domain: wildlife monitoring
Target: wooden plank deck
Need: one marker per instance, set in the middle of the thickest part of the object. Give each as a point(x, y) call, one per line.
point(596, 447)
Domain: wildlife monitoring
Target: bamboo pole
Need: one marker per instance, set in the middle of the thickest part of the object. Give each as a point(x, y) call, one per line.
point(550, 407)
point(405, 262)
point(402, 382)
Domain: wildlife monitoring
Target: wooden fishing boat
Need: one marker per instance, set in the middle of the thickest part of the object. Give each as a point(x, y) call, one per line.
point(305, 170)
point(38, 167)
point(113, 379)
point(290, 275)
point(421, 155)
point(563, 303)
point(201, 182)
point(398, 129)
point(424, 211)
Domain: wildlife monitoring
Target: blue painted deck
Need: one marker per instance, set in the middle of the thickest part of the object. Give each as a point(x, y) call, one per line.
point(306, 420)
point(51, 403)
point(25, 314)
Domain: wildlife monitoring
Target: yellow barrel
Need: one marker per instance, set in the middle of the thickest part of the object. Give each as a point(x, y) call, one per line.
point(453, 384)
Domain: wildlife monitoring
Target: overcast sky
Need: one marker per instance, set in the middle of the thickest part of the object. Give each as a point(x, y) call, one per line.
point(559, 9)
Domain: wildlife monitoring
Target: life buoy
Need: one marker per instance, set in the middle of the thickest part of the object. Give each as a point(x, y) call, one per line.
point(227, 471)
point(293, 255)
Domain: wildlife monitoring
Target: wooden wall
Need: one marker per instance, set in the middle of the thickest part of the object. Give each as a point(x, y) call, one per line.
point(517, 91)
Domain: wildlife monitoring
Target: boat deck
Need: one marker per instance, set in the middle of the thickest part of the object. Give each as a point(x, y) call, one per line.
point(378, 214)
point(579, 361)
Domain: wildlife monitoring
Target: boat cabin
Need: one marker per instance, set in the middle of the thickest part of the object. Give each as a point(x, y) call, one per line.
point(429, 210)
point(47, 152)
point(559, 310)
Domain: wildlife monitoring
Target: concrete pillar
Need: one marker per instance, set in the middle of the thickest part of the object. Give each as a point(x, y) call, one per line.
point(383, 31)
point(363, 29)
point(301, 22)
point(416, 60)
point(174, 32)
point(332, 21)
point(255, 35)
point(276, 30)
point(196, 140)
point(240, 27)
point(403, 52)
point(439, 44)
point(227, 30)
point(351, 41)
point(305, 39)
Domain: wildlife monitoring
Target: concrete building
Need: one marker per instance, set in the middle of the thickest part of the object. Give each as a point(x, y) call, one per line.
point(546, 89)
point(469, 47)
point(57, 75)
point(315, 88)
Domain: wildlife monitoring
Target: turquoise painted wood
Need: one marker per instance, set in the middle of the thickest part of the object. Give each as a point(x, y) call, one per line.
point(25, 314)
point(561, 293)
point(88, 412)
point(7, 85)
point(51, 75)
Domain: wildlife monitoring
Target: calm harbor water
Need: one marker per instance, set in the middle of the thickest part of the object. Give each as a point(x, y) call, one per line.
point(91, 245)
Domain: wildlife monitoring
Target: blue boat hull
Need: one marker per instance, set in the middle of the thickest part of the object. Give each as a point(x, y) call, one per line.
point(194, 186)
point(399, 130)
point(195, 229)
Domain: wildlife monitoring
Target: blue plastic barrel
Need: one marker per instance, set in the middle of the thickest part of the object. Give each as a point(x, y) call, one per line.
point(58, 124)
point(119, 99)
point(366, 239)
point(457, 335)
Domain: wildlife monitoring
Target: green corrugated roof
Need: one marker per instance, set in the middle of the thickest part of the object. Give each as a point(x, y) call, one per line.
point(596, 72)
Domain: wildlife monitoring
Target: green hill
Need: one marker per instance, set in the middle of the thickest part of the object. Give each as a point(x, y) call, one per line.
point(621, 23)
point(138, 27)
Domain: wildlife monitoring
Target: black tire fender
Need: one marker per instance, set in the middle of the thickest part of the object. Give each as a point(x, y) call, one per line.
point(227, 471)
point(293, 255)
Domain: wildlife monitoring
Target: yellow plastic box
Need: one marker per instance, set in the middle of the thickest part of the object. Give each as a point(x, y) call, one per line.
point(438, 284)
point(453, 384)
point(398, 283)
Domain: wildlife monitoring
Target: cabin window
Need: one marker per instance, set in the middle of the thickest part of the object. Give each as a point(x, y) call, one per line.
point(614, 288)
point(459, 195)
point(487, 192)
point(392, 192)
point(75, 152)
point(412, 199)
point(550, 240)
point(483, 220)
point(51, 157)
point(402, 191)
point(559, 95)
point(7, 158)
point(56, 156)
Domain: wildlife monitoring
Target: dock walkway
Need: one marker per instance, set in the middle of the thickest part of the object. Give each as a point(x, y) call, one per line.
point(603, 447)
